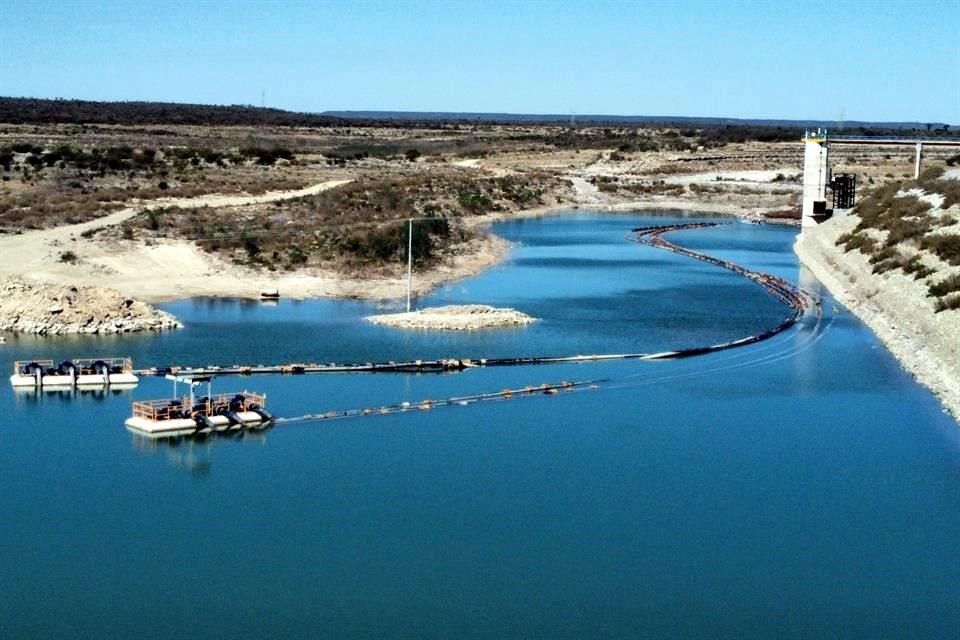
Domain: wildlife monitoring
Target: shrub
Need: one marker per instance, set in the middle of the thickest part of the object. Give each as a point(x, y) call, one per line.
point(266, 156)
point(901, 229)
point(296, 255)
point(68, 256)
point(860, 241)
point(947, 304)
point(26, 147)
point(885, 259)
point(950, 190)
point(474, 201)
point(250, 245)
point(930, 174)
point(659, 187)
point(917, 268)
point(946, 247)
point(945, 286)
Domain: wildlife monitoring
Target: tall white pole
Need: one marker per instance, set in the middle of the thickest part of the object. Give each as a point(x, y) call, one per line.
point(409, 261)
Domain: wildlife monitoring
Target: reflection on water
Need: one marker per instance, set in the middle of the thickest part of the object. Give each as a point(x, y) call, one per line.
point(35, 395)
point(190, 455)
point(194, 454)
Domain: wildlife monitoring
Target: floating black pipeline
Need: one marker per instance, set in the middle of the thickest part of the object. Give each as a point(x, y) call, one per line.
point(783, 290)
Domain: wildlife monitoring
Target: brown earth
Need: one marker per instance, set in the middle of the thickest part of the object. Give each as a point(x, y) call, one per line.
point(323, 212)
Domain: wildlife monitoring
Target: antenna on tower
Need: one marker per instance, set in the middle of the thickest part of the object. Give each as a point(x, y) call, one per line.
point(263, 98)
point(573, 117)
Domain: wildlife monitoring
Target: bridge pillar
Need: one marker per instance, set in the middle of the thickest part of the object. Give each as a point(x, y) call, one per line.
point(815, 178)
point(916, 165)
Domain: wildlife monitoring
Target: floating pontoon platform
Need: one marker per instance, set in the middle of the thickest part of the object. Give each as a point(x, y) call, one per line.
point(192, 416)
point(79, 372)
point(168, 418)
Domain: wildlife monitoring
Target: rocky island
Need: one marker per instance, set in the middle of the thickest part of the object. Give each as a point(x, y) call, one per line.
point(468, 317)
point(54, 309)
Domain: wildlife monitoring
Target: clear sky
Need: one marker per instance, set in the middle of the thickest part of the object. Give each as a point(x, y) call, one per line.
point(837, 60)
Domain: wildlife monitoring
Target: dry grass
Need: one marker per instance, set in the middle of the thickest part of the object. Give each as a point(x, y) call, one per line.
point(359, 225)
point(52, 185)
point(906, 220)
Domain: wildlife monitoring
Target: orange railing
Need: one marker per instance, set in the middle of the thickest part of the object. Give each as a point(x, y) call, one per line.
point(85, 365)
point(173, 408)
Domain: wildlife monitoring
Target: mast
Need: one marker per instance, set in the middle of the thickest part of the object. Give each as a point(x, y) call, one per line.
point(409, 261)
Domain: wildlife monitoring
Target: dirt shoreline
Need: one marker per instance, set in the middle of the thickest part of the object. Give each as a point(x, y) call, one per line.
point(166, 270)
point(169, 270)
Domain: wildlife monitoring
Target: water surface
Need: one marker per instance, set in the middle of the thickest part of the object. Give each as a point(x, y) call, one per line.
point(803, 487)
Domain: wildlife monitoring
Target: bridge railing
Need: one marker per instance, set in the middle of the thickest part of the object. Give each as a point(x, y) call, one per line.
point(893, 139)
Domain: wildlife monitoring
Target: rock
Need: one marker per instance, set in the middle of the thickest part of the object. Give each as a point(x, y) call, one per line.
point(454, 318)
point(29, 307)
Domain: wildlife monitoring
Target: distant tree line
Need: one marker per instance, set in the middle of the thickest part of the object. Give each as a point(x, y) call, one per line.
point(712, 133)
point(38, 111)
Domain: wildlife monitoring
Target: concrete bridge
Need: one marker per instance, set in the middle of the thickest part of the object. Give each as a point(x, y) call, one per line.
point(817, 176)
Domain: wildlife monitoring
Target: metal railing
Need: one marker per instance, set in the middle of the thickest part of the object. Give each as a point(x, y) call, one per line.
point(179, 408)
point(20, 366)
point(82, 365)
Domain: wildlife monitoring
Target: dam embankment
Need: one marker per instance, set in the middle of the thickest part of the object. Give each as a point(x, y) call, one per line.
point(893, 304)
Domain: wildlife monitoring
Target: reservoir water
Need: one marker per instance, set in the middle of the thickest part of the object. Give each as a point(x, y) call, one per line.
point(803, 487)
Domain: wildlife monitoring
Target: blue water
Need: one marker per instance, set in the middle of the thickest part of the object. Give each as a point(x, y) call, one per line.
point(804, 487)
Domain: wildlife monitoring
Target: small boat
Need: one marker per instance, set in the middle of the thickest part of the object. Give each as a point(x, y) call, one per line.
point(270, 294)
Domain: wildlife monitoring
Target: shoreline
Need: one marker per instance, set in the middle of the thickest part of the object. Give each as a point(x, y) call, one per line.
point(847, 276)
point(164, 271)
point(893, 306)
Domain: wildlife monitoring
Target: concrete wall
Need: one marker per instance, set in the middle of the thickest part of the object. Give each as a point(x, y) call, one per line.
point(815, 168)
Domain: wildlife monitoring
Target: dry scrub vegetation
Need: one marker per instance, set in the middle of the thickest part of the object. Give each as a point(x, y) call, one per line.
point(359, 225)
point(57, 168)
point(912, 226)
point(69, 172)
point(45, 186)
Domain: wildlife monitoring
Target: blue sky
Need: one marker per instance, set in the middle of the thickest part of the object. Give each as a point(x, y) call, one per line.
point(843, 59)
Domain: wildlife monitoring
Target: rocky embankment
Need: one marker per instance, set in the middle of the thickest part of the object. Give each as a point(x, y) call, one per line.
point(454, 318)
point(54, 309)
point(893, 304)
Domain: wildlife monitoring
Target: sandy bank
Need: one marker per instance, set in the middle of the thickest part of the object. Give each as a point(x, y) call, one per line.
point(893, 305)
point(175, 269)
point(469, 317)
